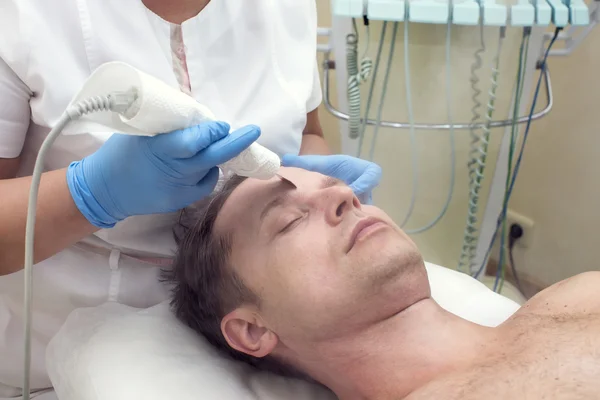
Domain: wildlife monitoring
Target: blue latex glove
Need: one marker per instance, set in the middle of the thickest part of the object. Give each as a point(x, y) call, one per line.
point(140, 175)
point(362, 176)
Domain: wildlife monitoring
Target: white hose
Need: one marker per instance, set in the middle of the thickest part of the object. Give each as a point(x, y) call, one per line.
point(411, 121)
point(451, 133)
point(414, 149)
point(116, 102)
point(386, 79)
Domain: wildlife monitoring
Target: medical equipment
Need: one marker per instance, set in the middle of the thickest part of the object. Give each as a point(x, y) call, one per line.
point(533, 17)
point(522, 14)
point(132, 103)
point(357, 76)
point(168, 360)
point(363, 127)
point(470, 237)
point(413, 139)
point(524, 48)
point(383, 90)
point(437, 219)
point(543, 67)
point(156, 107)
point(478, 154)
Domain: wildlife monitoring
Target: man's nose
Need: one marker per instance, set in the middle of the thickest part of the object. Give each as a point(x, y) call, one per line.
point(337, 202)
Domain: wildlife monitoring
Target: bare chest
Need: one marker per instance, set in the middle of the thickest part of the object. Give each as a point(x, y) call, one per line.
point(542, 357)
point(554, 357)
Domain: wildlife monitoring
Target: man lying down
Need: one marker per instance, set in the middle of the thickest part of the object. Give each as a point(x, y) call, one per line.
point(307, 279)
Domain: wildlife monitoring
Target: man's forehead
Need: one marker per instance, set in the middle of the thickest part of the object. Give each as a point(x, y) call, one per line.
point(250, 196)
point(237, 207)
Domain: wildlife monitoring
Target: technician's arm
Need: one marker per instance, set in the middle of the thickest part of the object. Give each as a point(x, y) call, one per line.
point(127, 176)
point(59, 223)
point(313, 141)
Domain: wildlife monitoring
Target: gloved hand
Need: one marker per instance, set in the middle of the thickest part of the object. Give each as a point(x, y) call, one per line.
point(361, 175)
point(139, 175)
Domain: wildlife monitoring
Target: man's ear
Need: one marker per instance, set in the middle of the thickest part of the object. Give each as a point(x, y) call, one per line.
point(245, 331)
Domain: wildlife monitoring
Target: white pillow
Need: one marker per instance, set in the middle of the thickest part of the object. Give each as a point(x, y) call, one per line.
point(115, 352)
point(467, 297)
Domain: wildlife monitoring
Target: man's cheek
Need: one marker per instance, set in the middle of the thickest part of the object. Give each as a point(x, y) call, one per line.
point(306, 242)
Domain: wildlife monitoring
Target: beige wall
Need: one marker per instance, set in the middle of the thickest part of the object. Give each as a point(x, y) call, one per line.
point(330, 124)
point(559, 187)
point(552, 188)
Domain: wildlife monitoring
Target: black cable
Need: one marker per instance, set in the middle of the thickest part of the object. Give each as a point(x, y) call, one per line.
point(541, 65)
point(516, 232)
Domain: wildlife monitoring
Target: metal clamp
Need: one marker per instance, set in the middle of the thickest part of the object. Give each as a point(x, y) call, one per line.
point(329, 64)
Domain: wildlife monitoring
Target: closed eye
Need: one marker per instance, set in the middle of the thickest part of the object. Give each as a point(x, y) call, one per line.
point(289, 226)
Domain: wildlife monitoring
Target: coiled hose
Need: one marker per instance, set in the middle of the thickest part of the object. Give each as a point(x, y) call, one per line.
point(543, 70)
point(356, 77)
point(371, 91)
point(474, 79)
point(470, 235)
point(118, 102)
point(477, 166)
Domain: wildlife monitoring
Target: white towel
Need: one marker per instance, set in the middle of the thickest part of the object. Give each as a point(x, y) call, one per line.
point(159, 108)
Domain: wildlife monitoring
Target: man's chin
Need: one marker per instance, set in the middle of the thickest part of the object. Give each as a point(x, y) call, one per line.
point(387, 255)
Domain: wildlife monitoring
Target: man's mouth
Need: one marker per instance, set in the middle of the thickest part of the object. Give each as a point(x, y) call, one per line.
point(363, 229)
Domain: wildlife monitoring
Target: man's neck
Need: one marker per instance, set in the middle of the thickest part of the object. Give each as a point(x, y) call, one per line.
point(176, 11)
point(400, 354)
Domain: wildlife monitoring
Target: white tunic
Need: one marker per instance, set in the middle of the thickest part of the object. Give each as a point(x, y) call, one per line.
point(250, 62)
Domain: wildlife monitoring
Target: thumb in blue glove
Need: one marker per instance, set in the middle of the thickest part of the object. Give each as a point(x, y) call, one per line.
point(140, 175)
point(362, 176)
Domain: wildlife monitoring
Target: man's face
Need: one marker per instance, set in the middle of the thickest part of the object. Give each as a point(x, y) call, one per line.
point(321, 263)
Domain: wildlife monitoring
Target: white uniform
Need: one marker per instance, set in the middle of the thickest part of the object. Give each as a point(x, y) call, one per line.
point(250, 62)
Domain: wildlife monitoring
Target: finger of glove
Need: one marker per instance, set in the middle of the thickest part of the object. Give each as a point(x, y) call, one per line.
point(208, 183)
point(186, 143)
point(320, 164)
point(368, 180)
point(226, 148)
point(204, 187)
point(365, 198)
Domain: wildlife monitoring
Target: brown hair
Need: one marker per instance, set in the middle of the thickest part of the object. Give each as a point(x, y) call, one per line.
point(205, 286)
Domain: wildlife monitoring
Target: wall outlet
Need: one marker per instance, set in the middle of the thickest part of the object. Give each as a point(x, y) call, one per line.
point(525, 222)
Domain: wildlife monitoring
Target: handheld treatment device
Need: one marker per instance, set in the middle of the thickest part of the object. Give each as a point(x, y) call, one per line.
point(119, 98)
point(147, 106)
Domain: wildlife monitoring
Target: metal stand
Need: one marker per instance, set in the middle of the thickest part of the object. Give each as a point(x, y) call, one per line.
point(571, 43)
point(330, 64)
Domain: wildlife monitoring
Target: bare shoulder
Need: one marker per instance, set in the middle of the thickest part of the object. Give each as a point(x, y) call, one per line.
point(575, 295)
